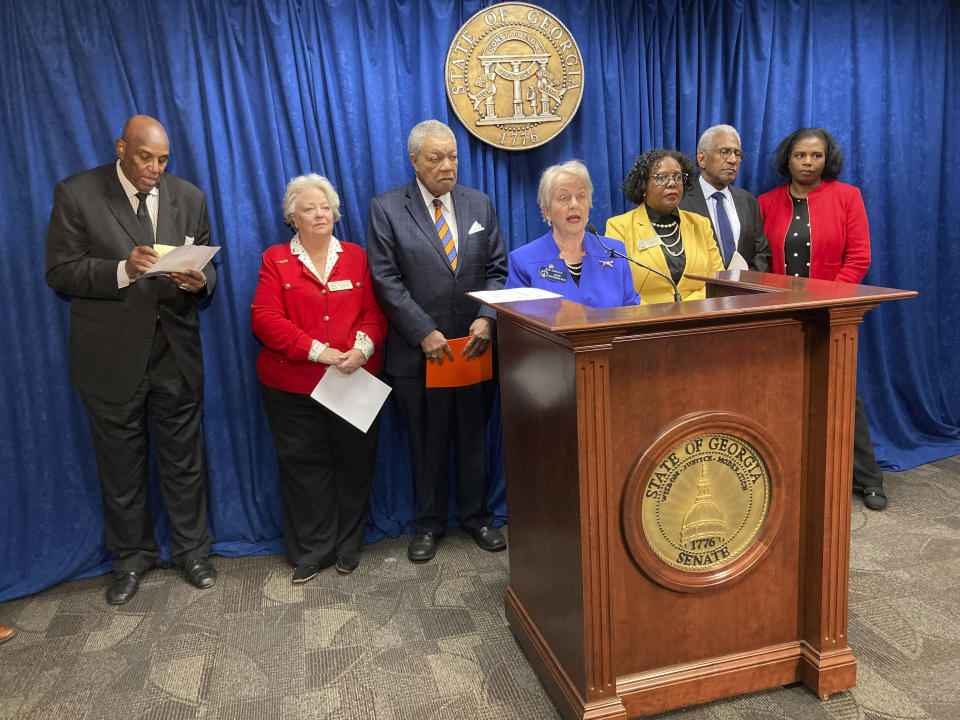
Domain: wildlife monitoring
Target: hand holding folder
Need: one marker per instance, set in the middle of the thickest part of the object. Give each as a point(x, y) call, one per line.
point(460, 371)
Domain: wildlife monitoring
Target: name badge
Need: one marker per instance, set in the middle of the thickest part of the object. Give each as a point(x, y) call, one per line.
point(648, 243)
point(551, 273)
point(339, 285)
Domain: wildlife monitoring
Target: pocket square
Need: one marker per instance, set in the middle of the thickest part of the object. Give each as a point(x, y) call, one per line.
point(476, 227)
point(187, 240)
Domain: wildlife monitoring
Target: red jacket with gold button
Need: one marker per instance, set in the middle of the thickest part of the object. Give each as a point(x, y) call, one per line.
point(292, 308)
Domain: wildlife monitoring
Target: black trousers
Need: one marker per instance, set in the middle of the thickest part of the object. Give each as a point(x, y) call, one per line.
point(440, 420)
point(866, 472)
point(326, 466)
point(171, 409)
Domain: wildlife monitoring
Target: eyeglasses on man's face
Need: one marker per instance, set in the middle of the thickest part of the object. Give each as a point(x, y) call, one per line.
point(662, 179)
point(726, 152)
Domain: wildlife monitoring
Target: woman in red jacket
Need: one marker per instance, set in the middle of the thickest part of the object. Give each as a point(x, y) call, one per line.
point(314, 308)
point(817, 228)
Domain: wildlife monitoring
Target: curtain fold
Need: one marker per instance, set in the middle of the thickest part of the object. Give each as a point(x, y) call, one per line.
point(253, 93)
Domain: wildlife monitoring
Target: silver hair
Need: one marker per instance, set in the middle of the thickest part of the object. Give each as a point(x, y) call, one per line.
point(422, 130)
point(706, 140)
point(304, 182)
point(573, 167)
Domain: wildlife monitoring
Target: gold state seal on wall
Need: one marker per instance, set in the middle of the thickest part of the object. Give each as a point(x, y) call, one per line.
point(705, 502)
point(514, 76)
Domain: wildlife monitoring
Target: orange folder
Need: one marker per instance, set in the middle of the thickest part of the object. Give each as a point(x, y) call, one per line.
point(460, 371)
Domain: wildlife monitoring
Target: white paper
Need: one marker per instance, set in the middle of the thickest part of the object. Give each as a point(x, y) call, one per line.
point(356, 397)
point(183, 257)
point(522, 293)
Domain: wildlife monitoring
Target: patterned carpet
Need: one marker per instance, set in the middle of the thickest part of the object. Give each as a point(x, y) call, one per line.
point(396, 641)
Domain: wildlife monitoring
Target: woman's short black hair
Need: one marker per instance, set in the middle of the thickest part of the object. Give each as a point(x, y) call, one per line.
point(832, 160)
point(635, 184)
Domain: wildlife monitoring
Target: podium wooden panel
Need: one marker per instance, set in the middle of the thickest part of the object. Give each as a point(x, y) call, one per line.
point(586, 396)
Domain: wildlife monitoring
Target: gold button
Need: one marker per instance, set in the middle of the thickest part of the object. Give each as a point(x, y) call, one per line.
point(287, 286)
point(326, 317)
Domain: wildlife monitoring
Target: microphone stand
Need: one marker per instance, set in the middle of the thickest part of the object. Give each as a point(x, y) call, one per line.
point(617, 254)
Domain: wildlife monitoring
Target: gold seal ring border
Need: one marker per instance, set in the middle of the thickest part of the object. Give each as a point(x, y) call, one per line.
point(682, 429)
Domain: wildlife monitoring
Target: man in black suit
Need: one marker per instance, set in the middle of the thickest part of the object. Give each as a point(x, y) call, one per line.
point(737, 225)
point(430, 242)
point(135, 351)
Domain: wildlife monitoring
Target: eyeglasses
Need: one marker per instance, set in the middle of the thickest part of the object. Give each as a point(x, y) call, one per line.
point(664, 178)
point(725, 152)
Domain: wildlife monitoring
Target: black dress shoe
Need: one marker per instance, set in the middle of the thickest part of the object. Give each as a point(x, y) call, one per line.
point(123, 587)
point(873, 497)
point(488, 537)
point(422, 547)
point(200, 573)
point(347, 564)
point(304, 573)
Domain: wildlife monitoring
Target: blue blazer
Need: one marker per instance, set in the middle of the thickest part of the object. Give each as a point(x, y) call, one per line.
point(604, 281)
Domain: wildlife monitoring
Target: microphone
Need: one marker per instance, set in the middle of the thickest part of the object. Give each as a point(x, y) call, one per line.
point(616, 253)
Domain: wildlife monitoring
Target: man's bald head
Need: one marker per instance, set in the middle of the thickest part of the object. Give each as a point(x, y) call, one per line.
point(143, 150)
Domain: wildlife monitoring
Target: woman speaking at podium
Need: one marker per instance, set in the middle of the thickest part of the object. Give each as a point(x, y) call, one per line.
point(817, 228)
point(658, 234)
point(568, 260)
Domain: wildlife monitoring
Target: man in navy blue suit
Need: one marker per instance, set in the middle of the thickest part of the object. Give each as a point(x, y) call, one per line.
point(430, 242)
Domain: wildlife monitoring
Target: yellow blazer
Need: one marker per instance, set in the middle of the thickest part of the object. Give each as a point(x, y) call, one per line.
point(702, 254)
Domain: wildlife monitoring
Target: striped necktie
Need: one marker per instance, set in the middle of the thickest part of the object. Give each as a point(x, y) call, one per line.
point(446, 237)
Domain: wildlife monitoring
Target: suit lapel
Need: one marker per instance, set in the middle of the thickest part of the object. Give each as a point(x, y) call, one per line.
point(652, 256)
point(465, 218)
point(421, 216)
point(166, 217)
point(697, 202)
point(119, 205)
point(743, 213)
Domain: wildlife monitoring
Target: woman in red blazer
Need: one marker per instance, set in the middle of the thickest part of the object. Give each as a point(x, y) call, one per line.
point(817, 228)
point(314, 308)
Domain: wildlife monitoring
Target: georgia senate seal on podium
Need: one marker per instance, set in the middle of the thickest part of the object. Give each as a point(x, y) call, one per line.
point(703, 502)
point(706, 501)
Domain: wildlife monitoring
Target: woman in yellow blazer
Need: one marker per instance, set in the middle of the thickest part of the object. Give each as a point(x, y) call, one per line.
point(657, 234)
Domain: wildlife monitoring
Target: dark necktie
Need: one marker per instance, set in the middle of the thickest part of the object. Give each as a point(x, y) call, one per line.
point(144, 217)
point(726, 232)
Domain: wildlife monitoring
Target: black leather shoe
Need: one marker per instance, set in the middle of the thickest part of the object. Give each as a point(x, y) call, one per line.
point(123, 587)
point(200, 573)
point(305, 572)
point(422, 547)
point(347, 564)
point(873, 497)
point(488, 537)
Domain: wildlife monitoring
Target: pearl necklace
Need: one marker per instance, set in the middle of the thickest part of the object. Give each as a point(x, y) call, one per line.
point(669, 247)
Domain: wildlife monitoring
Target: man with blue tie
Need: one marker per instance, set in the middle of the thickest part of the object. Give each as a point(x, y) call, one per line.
point(733, 212)
point(429, 242)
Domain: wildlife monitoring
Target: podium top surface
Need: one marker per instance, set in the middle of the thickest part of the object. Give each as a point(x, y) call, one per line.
point(735, 294)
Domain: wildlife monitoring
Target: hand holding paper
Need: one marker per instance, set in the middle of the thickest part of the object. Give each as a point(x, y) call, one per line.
point(460, 370)
point(184, 257)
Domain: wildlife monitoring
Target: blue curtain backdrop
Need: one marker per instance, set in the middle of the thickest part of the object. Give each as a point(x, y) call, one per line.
point(255, 92)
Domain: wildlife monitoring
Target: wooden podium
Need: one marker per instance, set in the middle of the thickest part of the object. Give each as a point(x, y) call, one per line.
point(592, 401)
